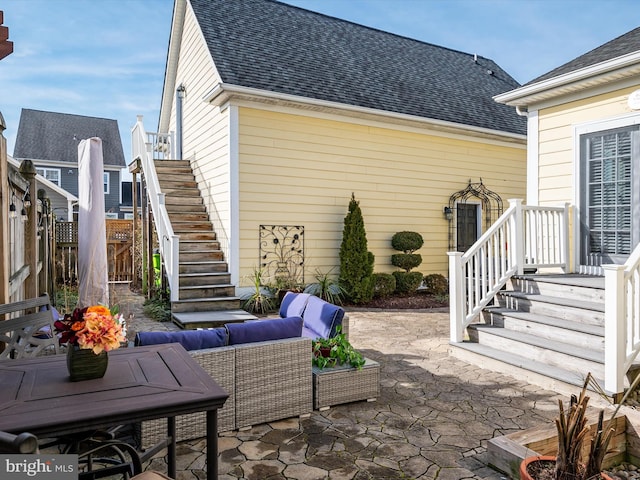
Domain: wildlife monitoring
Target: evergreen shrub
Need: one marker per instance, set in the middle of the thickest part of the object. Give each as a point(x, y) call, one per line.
point(356, 262)
point(407, 282)
point(384, 284)
point(436, 284)
point(406, 261)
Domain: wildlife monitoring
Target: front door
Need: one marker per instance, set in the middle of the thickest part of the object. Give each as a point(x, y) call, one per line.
point(610, 198)
point(467, 225)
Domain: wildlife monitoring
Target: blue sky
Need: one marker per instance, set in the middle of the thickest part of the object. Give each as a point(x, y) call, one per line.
point(106, 58)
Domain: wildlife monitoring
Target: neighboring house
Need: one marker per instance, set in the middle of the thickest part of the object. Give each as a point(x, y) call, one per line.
point(126, 205)
point(582, 216)
point(61, 201)
point(283, 113)
point(51, 141)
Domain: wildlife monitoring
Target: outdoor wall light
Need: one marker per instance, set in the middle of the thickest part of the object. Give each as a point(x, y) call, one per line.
point(448, 213)
point(26, 201)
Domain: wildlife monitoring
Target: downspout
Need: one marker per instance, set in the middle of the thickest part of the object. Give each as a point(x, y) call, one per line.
point(180, 94)
point(522, 113)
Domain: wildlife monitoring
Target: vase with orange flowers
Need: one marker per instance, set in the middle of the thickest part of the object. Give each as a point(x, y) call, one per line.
point(90, 333)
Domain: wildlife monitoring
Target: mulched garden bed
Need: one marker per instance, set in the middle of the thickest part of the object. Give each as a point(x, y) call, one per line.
point(418, 300)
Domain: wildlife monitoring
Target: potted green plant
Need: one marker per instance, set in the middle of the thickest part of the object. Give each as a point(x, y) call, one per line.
point(326, 287)
point(573, 432)
point(258, 299)
point(336, 351)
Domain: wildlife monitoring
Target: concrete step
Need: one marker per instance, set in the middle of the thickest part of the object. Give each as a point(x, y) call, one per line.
point(576, 333)
point(554, 378)
point(551, 352)
point(200, 266)
point(204, 278)
point(205, 304)
point(551, 306)
point(187, 292)
point(210, 318)
point(584, 287)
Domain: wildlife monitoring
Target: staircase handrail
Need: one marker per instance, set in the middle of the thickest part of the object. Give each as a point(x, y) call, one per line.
point(143, 146)
point(621, 320)
point(523, 236)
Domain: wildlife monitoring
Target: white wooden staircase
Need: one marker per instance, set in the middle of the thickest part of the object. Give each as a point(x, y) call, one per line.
point(544, 329)
point(206, 296)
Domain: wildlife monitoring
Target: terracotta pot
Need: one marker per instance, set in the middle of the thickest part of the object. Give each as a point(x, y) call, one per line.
point(524, 474)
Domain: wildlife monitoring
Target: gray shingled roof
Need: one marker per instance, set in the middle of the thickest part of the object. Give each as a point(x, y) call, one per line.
point(622, 45)
point(55, 137)
point(277, 47)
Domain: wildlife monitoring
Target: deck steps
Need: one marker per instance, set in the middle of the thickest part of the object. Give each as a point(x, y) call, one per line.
point(544, 329)
point(206, 295)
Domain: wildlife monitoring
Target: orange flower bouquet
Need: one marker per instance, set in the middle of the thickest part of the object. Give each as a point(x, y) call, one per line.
point(94, 327)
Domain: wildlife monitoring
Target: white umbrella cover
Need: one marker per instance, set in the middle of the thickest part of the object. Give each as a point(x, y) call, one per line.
point(93, 272)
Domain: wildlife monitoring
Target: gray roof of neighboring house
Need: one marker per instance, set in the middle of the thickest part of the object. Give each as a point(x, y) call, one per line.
point(277, 47)
point(55, 137)
point(622, 45)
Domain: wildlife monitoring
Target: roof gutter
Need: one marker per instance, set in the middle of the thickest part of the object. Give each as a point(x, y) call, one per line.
point(525, 95)
point(223, 92)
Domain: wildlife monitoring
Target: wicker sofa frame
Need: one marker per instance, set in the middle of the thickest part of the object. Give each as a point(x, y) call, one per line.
point(266, 381)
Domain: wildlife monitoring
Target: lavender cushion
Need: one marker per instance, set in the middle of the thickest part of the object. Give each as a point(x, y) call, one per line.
point(189, 339)
point(264, 330)
point(321, 318)
point(293, 304)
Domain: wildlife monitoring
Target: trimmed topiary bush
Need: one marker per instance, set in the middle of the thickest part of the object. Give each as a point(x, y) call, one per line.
point(356, 262)
point(436, 284)
point(406, 261)
point(407, 282)
point(407, 242)
point(384, 284)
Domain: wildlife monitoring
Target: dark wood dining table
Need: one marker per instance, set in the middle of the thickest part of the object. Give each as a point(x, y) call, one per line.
point(141, 383)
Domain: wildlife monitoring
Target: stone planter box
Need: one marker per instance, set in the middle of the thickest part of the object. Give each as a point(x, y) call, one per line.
point(505, 453)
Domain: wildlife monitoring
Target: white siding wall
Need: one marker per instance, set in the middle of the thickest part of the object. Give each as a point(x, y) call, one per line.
point(206, 128)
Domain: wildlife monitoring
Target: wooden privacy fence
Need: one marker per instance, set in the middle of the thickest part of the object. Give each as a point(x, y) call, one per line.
point(119, 251)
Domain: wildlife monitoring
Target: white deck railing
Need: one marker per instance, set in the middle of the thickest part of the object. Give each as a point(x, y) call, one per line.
point(621, 320)
point(147, 147)
point(523, 236)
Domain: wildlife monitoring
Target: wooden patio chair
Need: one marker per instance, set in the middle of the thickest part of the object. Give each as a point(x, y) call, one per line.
point(28, 329)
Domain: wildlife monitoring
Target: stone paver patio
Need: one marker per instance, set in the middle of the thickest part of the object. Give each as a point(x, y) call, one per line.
point(431, 421)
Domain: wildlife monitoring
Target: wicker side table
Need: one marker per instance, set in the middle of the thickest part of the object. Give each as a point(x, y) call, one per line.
point(333, 386)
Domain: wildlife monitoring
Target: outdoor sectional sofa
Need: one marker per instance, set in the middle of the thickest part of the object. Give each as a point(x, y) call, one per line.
point(321, 319)
point(264, 365)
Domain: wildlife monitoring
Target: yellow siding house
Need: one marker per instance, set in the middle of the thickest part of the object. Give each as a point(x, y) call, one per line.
point(283, 113)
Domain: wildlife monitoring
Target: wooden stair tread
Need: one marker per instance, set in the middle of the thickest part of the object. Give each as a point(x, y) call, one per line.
point(567, 302)
point(553, 345)
point(513, 359)
point(547, 320)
